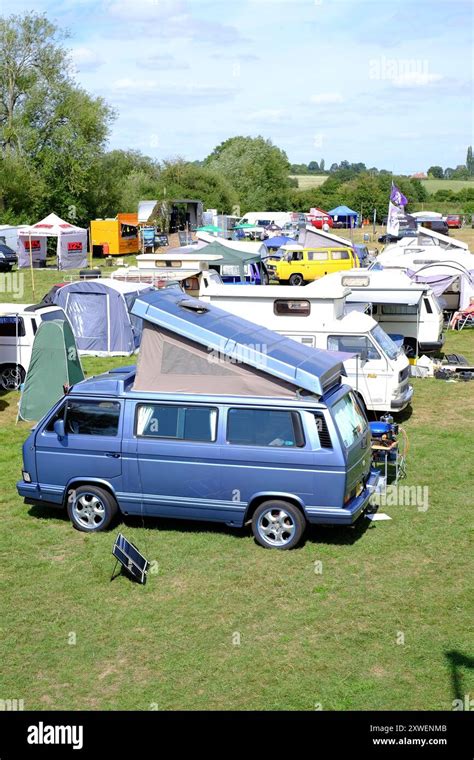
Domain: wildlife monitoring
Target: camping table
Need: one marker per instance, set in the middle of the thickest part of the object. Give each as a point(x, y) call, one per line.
point(386, 449)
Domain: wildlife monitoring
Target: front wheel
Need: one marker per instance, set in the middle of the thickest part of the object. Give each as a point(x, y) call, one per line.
point(296, 279)
point(278, 525)
point(91, 509)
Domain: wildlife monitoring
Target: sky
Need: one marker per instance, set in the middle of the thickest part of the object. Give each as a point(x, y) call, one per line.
point(385, 82)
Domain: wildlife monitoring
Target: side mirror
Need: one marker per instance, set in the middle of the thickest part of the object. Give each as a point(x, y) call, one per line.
point(59, 429)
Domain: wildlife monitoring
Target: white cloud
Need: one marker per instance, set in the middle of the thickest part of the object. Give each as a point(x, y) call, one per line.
point(86, 59)
point(326, 98)
point(163, 62)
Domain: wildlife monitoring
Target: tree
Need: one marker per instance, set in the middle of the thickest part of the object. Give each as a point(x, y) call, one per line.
point(448, 173)
point(460, 172)
point(31, 60)
point(436, 172)
point(321, 166)
point(313, 166)
point(51, 126)
point(256, 169)
point(470, 161)
point(180, 179)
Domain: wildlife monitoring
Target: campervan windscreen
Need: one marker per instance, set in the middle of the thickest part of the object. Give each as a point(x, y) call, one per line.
point(388, 346)
point(349, 418)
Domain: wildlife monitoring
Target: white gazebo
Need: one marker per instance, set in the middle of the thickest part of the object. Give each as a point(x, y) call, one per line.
point(71, 248)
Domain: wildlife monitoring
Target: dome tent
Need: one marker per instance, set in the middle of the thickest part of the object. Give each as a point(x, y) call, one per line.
point(99, 313)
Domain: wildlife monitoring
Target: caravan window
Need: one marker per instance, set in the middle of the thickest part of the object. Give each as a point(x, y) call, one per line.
point(10, 327)
point(284, 307)
point(428, 308)
point(353, 344)
point(264, 427)
point(184, 423)
point(338, 255)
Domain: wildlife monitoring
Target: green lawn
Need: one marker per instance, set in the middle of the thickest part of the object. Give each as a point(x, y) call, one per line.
point(71, 639)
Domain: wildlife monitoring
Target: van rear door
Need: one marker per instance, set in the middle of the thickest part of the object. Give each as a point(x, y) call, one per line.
point(353, 430)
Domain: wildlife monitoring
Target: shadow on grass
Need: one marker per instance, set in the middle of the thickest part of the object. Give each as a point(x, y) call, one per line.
point(318, 534)
point(456, 661)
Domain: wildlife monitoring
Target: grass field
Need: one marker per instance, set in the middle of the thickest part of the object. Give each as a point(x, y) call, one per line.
point(432, 185)
point(307, 181)
point(72, 639)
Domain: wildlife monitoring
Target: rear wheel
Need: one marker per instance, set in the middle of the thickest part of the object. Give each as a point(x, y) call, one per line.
point(91, 508)
point(11, 377)
point(278, 524)
point(296, 279)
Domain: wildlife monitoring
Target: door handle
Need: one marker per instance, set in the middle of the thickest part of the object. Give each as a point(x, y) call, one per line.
point(113, 454)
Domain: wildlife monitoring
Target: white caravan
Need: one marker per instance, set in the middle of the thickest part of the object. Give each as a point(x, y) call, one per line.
point(18, 325)
point(399, 305)
point(264, 218)
point(316, 316)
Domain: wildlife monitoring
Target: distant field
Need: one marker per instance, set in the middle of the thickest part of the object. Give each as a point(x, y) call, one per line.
point(432, 185)
point(307, 181)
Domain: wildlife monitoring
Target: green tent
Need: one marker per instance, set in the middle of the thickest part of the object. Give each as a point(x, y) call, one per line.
point(230, 256)
point(54, 362)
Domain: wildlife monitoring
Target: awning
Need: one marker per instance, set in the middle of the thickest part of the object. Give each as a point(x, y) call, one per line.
point(405, 297)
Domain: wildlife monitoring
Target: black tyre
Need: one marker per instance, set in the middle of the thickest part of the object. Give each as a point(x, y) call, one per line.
point(278, 524)
point(91, 508)
point(296, 279)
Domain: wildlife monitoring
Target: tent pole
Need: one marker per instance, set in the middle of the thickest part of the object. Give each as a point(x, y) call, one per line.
point(31, 270)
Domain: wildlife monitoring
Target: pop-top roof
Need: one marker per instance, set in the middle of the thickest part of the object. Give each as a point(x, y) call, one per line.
point(311, 369)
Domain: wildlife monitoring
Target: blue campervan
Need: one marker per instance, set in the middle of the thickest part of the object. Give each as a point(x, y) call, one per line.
point(219, 421)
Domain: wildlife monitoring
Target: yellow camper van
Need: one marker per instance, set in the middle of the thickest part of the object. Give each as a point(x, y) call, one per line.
point(115, 237)
point(300, 265)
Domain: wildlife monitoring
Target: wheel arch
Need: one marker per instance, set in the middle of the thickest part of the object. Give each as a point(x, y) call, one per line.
point(77, 482)
point(259, 498)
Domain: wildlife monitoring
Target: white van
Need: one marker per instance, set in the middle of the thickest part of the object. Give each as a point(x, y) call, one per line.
point(264, 218)
point(399, 305)
point(18, 325)
point(316, 316)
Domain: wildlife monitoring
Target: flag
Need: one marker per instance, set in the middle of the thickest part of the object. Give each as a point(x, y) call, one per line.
point(397, 197)
point(393, 219)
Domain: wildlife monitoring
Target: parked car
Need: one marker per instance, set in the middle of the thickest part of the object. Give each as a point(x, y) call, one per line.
point(8, 257)
point(438, 225)
point(454, 221)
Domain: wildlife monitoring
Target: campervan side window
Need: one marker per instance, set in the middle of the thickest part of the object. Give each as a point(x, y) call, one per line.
point(264, 427)
point(92, 417)
point(317, 256)
point(183, 423)
point(10, 327)
point(338, 255)
point(283, 307)
point(398, 308)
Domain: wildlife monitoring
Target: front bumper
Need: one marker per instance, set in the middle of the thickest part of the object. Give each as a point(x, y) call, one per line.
point(400, 403)
point(351, 512)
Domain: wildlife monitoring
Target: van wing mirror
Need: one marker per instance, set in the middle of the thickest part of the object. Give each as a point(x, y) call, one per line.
point(59, 429)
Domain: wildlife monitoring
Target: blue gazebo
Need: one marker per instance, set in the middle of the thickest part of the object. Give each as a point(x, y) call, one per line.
point(345, 215)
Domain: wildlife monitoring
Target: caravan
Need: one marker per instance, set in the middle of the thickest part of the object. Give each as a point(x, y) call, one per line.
point(316, 316)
